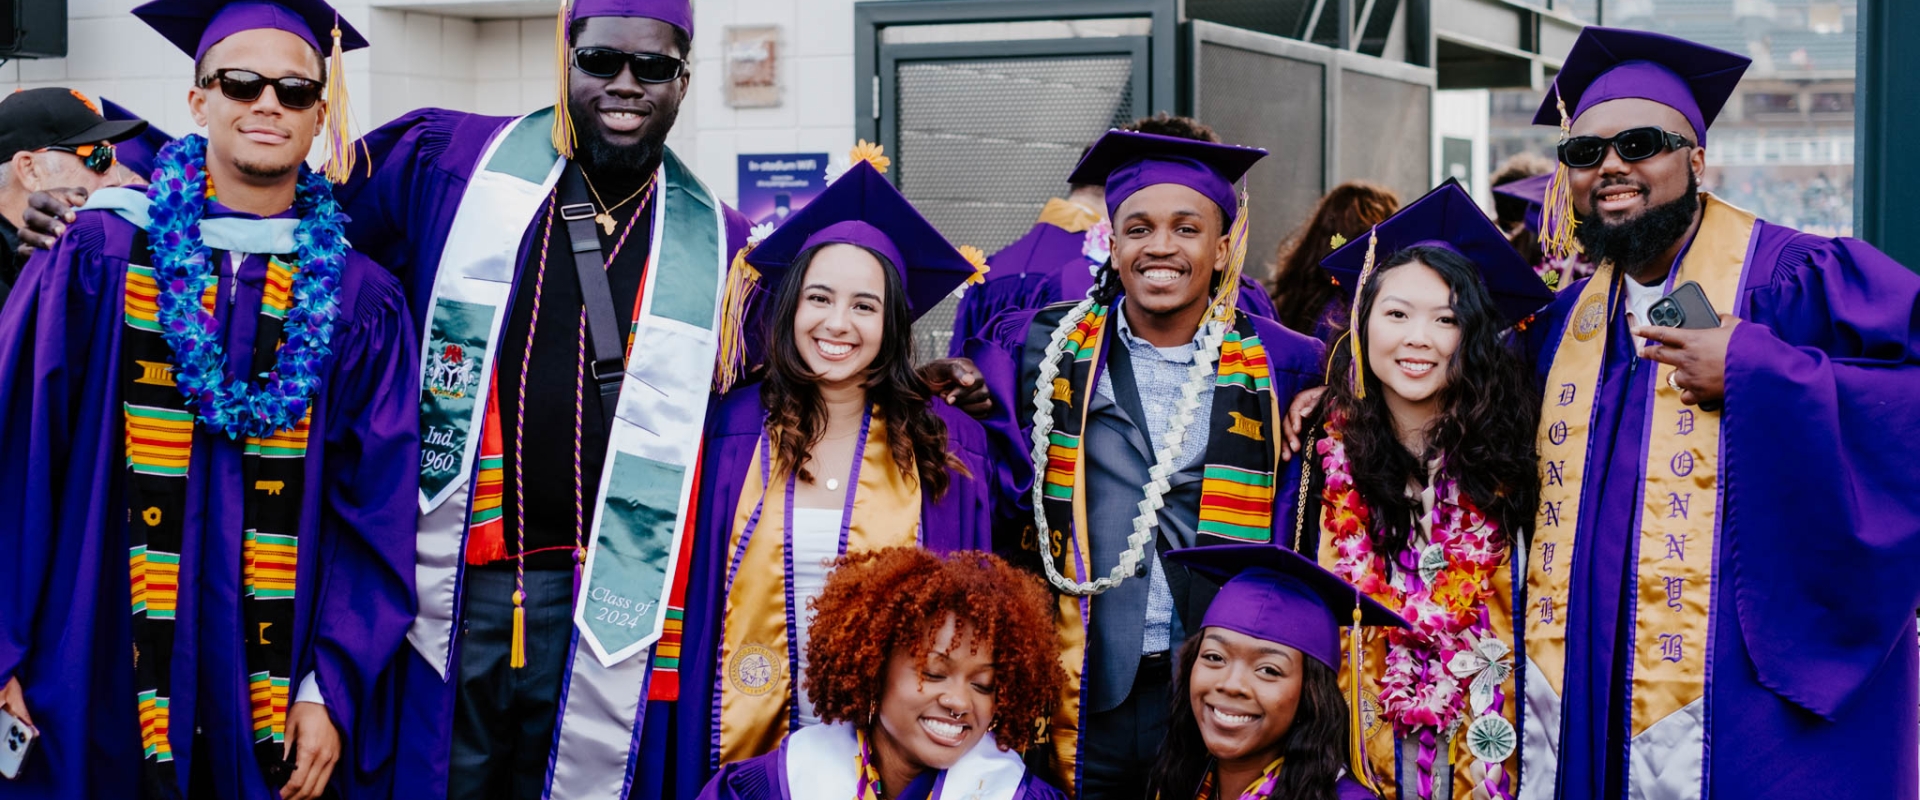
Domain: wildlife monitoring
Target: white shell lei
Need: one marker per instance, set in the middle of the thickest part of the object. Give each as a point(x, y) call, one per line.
point(1166, 460)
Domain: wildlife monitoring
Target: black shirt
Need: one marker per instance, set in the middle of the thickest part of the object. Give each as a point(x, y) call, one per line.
point(10, 264)
point(554, 372)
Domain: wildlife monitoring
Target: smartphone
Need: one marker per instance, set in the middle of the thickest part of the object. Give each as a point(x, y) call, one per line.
point(1686, 307)
point(16, 741)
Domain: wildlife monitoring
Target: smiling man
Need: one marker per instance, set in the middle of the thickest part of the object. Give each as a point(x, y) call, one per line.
point(1155, 392)
point(1720, 593)
point(50, 137)
point(207, 467)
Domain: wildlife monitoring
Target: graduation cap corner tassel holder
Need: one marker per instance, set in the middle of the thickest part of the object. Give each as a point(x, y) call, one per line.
point(340, 140)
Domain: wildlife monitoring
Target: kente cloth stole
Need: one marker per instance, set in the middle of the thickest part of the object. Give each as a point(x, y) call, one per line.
point(1236, 490)
point(1675, 535)
point(754, 698)
point(159, 447)
point(1384, 747)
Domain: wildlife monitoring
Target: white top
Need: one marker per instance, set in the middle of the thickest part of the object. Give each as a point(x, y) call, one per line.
point(816, 543)
point(1640, 300)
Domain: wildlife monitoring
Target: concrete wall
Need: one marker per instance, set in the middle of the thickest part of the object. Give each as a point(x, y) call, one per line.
point(495, 57)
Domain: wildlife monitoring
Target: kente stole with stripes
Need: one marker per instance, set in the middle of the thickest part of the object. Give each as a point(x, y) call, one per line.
point(1236, 492)
point(159, 446)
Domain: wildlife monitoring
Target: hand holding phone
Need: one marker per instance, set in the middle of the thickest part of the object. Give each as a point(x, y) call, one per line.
point(16, 743)
point(1685, 307)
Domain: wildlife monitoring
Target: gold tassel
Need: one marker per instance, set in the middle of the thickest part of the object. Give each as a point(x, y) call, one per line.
point(563, 132)
point(518, 658)
point(1556, 212)
point(1356, 734)
point(340, 140)
point(1359, 376)
point(742, 278)
point(1227, 297)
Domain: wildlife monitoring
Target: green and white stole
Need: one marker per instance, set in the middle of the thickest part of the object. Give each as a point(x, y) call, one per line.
point(639, 526)
point(1674, 541)
point(159, 447)
point(1236, 491)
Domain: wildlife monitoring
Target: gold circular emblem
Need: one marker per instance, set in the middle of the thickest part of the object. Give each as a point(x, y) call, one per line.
point(753, 670)
point(1590, 318)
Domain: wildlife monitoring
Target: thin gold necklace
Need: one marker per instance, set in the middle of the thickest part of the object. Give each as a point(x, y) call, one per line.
point(605, 217)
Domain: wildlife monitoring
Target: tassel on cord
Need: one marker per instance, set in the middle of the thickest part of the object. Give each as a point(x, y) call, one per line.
point(340, 139)
point(742, 279)
point(1356, 734)
point(1556, 214)
point(563, 132)
point(1227, 297)
point(518, 658)
point(1359, 376)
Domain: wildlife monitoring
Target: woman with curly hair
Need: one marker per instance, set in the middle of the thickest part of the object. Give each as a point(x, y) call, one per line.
point(1418, 481)
point(1256, 710)
point(929, 675)
point(1304, 297)
point(838, 447)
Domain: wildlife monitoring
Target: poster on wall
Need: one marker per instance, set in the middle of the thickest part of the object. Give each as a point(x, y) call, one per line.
point(775, 185)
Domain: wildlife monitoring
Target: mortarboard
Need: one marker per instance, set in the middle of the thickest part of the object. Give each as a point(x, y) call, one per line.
point(1532, 191)
point(138, 152)
point(1613, 63)
point(1276, 595)
point(1128, 161)
point(194, 26)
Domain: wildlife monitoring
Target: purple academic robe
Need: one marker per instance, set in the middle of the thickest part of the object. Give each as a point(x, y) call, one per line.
point(765, 778)
point(1812, 656)
point(1015, 277)
point(65, 628)
point(679, 738)
point(1069, 284)
point(401, 215)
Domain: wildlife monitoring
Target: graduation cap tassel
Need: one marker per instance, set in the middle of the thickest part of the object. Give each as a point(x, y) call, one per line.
point(518, 657)
point(742, 279)
point(339, 136)
point(563, 133)
point(1556, 215)
point(1359, 377)
point(1356, 731)
point(1228, 294)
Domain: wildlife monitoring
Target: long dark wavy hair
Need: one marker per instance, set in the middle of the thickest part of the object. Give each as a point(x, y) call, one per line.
point(1300, 287)
point(1486, 426)
point(1315, 746)
point(796, 416)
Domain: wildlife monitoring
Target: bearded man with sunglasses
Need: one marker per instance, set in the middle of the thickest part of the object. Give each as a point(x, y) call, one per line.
point(1720, 597)
point(50, 137)
point(207, 471)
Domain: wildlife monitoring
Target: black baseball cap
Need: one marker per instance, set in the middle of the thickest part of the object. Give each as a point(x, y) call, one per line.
point(33, 119)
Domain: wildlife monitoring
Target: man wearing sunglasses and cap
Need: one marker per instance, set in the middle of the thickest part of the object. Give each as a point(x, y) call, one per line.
point(50, 137)
point(1720, 584)
point(208, 466)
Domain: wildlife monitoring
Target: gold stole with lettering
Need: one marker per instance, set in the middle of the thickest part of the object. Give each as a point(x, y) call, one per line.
point(757, 685)
point(1675, 542)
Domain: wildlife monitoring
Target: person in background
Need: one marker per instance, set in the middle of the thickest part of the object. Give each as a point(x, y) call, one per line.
point(1304, 295)
point(1056, 242)
point(930, 675)
point(50, 137)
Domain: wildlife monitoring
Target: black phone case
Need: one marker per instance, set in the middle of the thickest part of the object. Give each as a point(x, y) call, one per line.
point(1693, 303)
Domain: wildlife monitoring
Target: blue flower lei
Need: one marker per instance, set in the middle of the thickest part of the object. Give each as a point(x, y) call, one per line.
point(182, 267)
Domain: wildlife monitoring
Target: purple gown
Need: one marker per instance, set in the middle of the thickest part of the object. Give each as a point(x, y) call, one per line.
point(680, 736)
point(1812, 659)
point(1015, 276)
point(65, 625)
point(401, 216)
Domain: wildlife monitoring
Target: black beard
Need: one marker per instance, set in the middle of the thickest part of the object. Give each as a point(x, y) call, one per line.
point(619, 167)
point(1636, 242)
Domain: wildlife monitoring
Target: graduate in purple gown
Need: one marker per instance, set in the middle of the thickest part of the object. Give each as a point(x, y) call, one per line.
point(1720, 597)
point(1258, 711)
point(1155, 393)
point(930, 674)
point(838, 447)
point(208, 467)
point(1056, 242)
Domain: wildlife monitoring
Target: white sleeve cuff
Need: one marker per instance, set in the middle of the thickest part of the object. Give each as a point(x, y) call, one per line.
point(309, 691)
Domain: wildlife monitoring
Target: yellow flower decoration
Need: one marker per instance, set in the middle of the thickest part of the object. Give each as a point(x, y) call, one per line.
point(1338, 241)
point(871, 153)
point(978, 259)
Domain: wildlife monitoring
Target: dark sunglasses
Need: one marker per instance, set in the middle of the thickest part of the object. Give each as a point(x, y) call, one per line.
point(1638, 144)
point(96, 157)
point(601, 62)
point(245, 86)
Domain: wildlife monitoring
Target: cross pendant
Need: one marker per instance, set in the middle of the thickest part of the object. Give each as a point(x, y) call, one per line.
point(605, 220)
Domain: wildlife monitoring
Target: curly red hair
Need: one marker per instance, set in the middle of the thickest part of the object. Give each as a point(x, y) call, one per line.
point(879, 600)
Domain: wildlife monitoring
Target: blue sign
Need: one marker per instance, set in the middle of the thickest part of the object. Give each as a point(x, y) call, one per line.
point(775, 185)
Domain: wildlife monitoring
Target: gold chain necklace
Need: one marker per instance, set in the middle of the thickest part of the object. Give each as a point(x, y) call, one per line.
point(605, 217)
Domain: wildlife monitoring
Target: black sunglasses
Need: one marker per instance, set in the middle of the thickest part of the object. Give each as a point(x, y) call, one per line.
point(1638, 144)
point(96, 157)
point(601, 62)
point(245, 86)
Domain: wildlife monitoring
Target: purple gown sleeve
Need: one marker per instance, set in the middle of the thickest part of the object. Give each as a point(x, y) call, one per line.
point(995, 351)
point(1823, 489)
point(963, 519)
point(365, 598)
point(383, 198)
point(756, 778)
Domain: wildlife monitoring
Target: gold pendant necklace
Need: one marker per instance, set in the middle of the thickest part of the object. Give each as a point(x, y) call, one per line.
point(605, 217)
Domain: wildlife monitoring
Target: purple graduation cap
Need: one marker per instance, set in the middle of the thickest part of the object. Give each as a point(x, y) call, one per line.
point(1447, 218)
point(1276, 595)
point(678, 13)
point(1128, 161)
point(1613, 63)
point(1532, 191)
point(196, 25)
point(862, 208)
point(138, 152)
